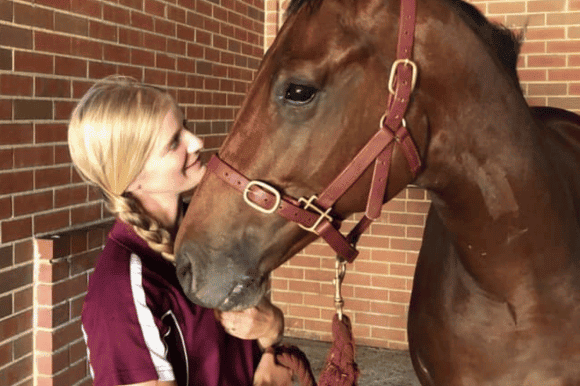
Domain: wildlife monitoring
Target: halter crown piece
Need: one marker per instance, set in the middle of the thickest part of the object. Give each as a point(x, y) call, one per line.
point(314, 214)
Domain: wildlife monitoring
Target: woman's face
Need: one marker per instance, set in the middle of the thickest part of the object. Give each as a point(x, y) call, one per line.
point(174, 166)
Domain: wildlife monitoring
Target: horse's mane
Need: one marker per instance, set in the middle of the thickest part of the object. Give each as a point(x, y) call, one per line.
point(503, 42)
point(295, 5)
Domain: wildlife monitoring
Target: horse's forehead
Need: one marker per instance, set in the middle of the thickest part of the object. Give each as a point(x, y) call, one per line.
point(309, 30)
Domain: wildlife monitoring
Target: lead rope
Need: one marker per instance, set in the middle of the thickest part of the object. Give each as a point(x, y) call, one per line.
point(340, 369)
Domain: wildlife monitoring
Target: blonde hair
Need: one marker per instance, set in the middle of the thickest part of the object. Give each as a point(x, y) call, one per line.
point(111, 134)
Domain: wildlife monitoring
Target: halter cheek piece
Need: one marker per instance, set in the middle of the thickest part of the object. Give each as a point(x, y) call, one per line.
point(314, 214)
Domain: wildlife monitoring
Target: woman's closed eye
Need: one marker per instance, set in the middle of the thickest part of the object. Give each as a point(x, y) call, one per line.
point(175, 141)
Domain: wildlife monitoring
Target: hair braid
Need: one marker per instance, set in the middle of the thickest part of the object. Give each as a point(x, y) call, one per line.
point(129, 210)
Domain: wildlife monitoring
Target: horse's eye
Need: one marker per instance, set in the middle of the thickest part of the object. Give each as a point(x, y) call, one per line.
point(299, 94)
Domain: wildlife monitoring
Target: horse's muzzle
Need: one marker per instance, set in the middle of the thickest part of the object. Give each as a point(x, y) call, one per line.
point(218, 282)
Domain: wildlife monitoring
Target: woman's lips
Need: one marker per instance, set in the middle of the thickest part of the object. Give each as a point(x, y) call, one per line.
point(195, 161)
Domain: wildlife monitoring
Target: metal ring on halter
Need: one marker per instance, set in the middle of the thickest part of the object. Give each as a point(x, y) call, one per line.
point(384, 118)
point(396, 64)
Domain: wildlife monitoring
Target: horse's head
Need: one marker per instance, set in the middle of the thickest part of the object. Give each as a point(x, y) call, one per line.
point(316, 101)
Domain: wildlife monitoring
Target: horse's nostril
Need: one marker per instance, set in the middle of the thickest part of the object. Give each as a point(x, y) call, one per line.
point(185, 277)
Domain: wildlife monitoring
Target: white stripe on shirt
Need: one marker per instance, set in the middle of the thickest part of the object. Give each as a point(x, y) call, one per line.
point(88, 351)
point(148, 327)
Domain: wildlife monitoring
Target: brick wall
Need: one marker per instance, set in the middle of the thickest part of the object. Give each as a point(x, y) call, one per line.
point(204, 52)
point(378, 285)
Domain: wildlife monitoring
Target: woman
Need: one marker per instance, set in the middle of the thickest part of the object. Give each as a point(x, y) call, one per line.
point(129, 139)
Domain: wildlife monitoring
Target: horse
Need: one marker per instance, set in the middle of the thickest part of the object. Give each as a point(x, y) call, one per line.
point(496, 294)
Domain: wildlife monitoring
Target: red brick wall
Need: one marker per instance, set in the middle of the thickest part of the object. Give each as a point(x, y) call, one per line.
point(378, 285)
point(204, 52)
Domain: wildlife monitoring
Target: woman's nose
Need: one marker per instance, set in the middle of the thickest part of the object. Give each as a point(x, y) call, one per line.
point(194, 143)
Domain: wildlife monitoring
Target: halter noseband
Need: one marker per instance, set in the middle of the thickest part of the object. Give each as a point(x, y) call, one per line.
point(314, 214)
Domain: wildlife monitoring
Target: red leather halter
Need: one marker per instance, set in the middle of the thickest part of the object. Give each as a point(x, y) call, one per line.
point(315, 213)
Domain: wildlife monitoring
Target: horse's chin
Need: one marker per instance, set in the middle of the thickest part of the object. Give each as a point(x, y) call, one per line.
point(244, 296)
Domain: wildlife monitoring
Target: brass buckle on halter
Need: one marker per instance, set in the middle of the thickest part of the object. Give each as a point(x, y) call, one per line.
point(322, 214)
point(267, 188)
point(396, 64)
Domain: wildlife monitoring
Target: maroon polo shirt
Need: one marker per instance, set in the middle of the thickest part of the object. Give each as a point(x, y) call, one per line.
point(139, 325)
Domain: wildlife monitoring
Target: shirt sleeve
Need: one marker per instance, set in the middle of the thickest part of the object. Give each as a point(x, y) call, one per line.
point(123, 339)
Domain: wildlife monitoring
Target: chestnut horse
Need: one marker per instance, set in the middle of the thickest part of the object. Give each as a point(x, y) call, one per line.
point(496, 296)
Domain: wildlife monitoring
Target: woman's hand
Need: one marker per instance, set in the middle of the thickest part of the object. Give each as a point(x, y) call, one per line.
point(265, 322)
point(269, 373)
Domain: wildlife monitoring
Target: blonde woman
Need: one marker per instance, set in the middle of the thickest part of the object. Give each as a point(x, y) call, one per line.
point(129, 139)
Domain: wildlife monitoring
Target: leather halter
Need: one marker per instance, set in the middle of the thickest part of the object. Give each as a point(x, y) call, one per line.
point(315, 213)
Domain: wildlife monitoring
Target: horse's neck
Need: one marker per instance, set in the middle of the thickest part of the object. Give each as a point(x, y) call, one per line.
point(495, 192)
point(491, 181)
